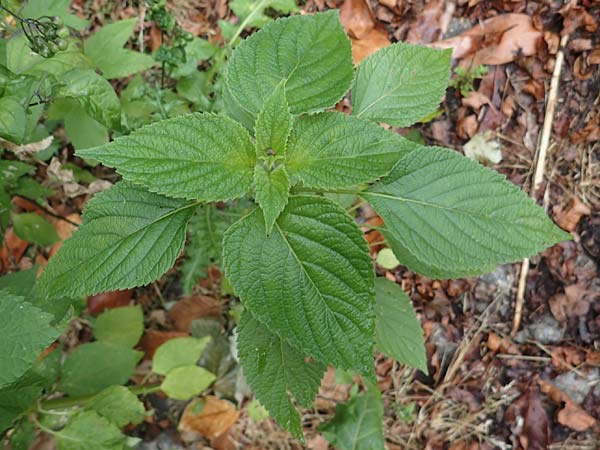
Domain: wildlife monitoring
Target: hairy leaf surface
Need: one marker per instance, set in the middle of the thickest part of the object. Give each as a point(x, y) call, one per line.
point(448, 216)
point(276, 372)
point(400, 84)
point(310, 280)
point(272, 191)
point(312, 53)
point(332, 150)
point(273, 124)
point(194, 156)
point(129, 237)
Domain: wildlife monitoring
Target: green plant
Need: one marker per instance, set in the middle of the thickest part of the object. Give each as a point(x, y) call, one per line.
point(463, 79)
point(297, 261)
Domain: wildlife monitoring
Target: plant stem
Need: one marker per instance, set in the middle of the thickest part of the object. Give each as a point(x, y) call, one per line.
point(67, 402)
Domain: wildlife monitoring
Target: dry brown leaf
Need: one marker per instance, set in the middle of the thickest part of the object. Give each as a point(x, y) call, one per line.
point(366, 33)
point(568, 218)
point(476, 100)
point(107, 300)
point(571, 415)
point(152, 339)
point(536, 425)
point(208, 416)
point(189, 309)
point(13, 249)
point(26, 151)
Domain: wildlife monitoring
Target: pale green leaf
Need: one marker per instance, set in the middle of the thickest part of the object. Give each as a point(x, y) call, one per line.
point(13, 120)
point(357, 424)
point(122, 326)
point(310, 280)
point(105, 49)
point(94, 94)
point(277, 372)
point(89, 431)
point(129, 237)
point(37, 8)
point(25, 332)
point(447, 216)
point(196, 50)
point(400, 84)
point(82, 130)
point(272, 191)
point(273, 124)
point(387, 260)
point(252, 12)
point(312, 53)
point(92, 367)
point(119, 405)
point(195, 156)
point(32, 227)
point(182, 383)
point(333, 150)
point(398, 332)
point(178, 352)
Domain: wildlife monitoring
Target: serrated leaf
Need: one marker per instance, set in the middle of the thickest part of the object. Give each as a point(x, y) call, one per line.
point(129, 237)
point(310, 280)
point(25, 332)
point(398, 332)
point(32, 227)
point(312, 53)
point(273, 124)
point(178, 352)
point(195, 156)
point(448, 216)
point(94, 94)
point(119, 405)
point(13, 120)
point(272, 191)
point(357, 424)
point(333, 150)
point(19, 283)
point(400, 84)
point(182, 383)
point(276, 371)
point(105, 49)
point(95, 366)
point(89, 431)
point(122, 326)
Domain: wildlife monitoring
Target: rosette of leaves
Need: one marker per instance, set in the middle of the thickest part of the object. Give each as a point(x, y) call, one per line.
point(298, 262)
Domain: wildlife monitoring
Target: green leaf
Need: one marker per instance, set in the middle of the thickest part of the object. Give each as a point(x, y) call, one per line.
point(273, 124)
point(119, 405)
point(11, 170)
point(196, 50)
point(38, 8)
point(182, 383)
point(129, 237)
point(387, 260)
point(276, 371)
point(32, 189)
point(123, 326)
point(312, 53)
point(272, 191)
point(178, 352)
point(252, 12)
point(195, 156)
point(23, 435)
point(448, 216)
point(94, 94)
point(32, 227)
point(19, 283)
point(13, 120)
point(25, 332)
point(105, 49)
point(95, 366)
point(357, 424)
point(89, 431)
point(310, 280)
point(333, 150)
point(400, 84)
point(398, 332)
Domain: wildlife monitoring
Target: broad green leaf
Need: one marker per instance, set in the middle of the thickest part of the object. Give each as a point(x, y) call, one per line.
point(89, 431)
point(387, 260)
point(252, 12)
point(32, 189)
point(398, 332)
point(19, 283)
point(195, 156)
point(11, 170)
point(119, 405)
point(32, 227)
point(12, 120)
point(129, 237)
point(178, 352)
point(277, 372)
point(38, 8)
point(333, 150)
point(310, 280)
point(272, 191)
point(311, 53)
point(448, 216)
point(196, 50)
point(400, 84)
point(25, 332)
point(94, 94)
point(105, 49)
point(273, 124)
point(123, 326)
point(23, 435)
point(357, 424)
point(95, 366)
point(182, 383)
point(82, 130)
